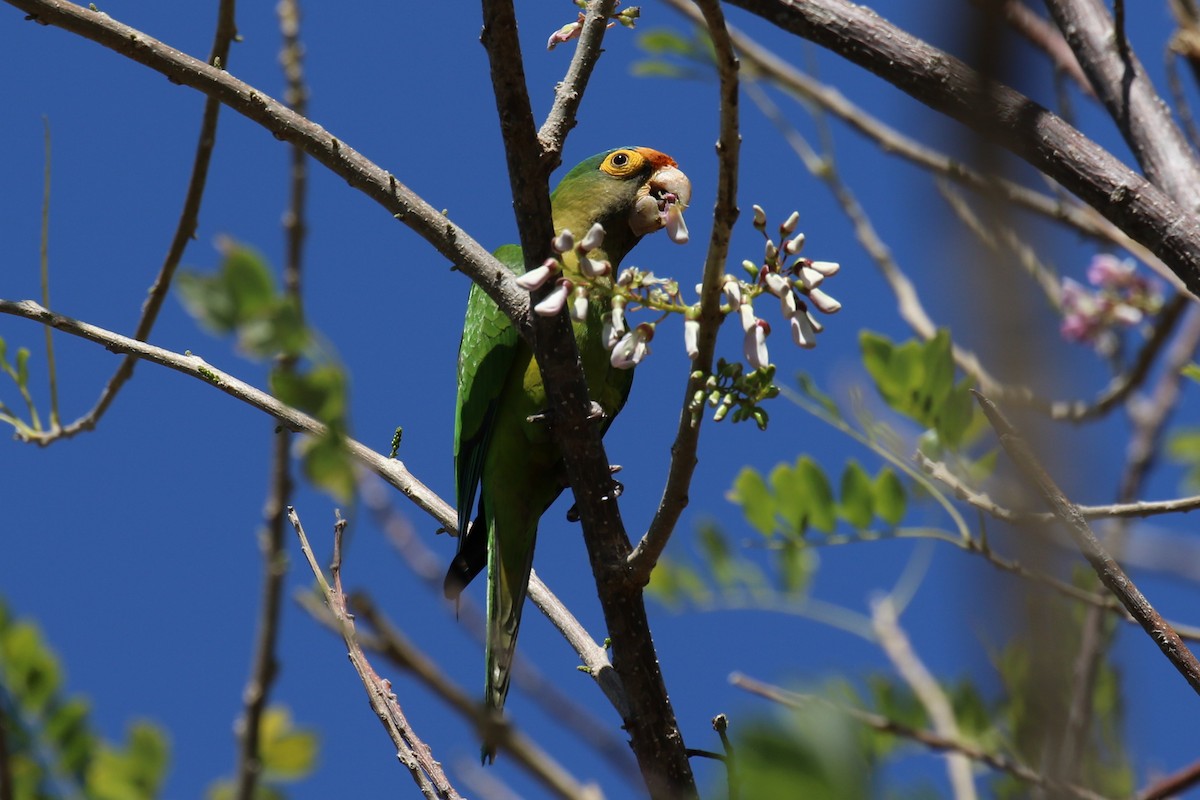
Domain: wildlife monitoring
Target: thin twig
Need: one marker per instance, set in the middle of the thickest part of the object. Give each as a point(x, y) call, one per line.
point(807, 89)
point(569, 92)
point(286, 125)
point(185, 231)
point(1172, 785)
point(725, 213)
point(899, 650)
point(1046, 38)
point(414, 754)
point(44, 258)
point(1106, 567)
point(402, 652)
point(275, 564)
point(925, 738)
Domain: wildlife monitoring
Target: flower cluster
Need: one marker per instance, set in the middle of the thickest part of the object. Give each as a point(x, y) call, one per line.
point(565, 287)
point(627, 17)
point(796, 285)
point(1121, 298)
point(783, 274)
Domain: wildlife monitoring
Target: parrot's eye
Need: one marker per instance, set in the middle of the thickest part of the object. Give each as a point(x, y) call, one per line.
point(623, 163)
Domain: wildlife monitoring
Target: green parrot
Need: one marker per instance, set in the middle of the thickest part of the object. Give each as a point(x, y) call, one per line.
point(502, 453)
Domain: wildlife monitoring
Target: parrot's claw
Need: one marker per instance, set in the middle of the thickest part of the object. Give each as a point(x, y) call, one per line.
point(618, 489)
point(595, 412)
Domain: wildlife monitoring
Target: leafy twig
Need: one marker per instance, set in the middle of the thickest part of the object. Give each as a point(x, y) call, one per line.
point(926, 738)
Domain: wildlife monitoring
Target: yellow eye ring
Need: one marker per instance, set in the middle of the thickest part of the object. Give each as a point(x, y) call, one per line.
point(623, 163)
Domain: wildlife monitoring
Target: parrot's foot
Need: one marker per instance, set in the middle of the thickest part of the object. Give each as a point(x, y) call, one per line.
point(618, 490)
point(595, 413)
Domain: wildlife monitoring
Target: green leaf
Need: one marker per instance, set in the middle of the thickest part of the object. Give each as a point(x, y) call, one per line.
point(890, 498)
point(956, 416)
point(1191, 371)
point(67, 728)
point(808, 387)
point(857, 502)
point(664, 41)
point(288, 753)
point(750, 492)
point(938, 361)
point(134, 773)
point(321, 391)
point(716, 554)
point(796, 566)
point(23, 367)
point(30, 670)
point(818, 495)
point(240, 293)
point(789, 498)
point(327, 464)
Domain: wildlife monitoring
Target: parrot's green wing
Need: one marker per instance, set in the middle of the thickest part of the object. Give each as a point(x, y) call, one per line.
point(485, 357)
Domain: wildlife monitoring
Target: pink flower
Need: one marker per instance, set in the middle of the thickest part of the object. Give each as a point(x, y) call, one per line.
point(538, 275)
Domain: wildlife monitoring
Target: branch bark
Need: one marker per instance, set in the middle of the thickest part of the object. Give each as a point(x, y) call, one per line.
point(1003, 116)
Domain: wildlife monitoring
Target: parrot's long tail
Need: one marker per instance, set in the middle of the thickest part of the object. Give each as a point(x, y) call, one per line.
point(509, 565)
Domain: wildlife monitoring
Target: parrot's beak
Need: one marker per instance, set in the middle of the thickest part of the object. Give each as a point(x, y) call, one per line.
point(660, 203)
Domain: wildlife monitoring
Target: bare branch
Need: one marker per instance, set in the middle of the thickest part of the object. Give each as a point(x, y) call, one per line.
point(569, 93)
point(896, 645)
point(185, 231)
point(687, 437)
point(285, 124)
point(1106, 567)
point(1123, 86)
point(414, 754)
point(1001, 115)
point(402, 652)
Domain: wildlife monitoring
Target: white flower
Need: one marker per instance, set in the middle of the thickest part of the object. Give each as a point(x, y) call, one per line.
point(538, 275)
point(633, 347)
point(691, 335)
point(748, 319)
point(826, 268)
point(823, 301)
point(592, 269)
point(733, 290)
point(554, 302)
point(790, 223)
point(564, 241)
point(803, 332)
point(810, 277)
point(594, 238)
point(677, 230)
point(777, 284)
point(579, 304)
point(794, 245)
point(760, 217)
point(756, 345)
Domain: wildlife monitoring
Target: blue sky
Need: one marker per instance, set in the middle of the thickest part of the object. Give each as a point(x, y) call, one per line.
point(134, 546)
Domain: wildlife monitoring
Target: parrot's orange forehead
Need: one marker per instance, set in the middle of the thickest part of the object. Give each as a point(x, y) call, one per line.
point(659, 160)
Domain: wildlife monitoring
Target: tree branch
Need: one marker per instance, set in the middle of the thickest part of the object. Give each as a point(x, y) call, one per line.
point(185, 231)
point(414, 754)
point(1106, 567)
point(725, 214)
point(1144, 119)
point(1001, 115)
point(928, 739)
point(651, 723)
point(360, 172)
